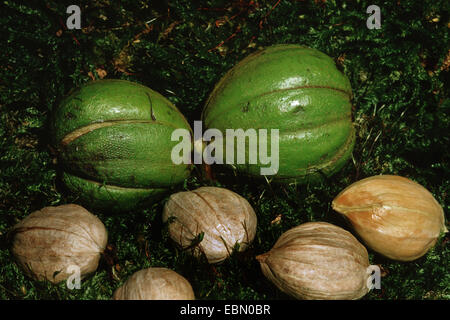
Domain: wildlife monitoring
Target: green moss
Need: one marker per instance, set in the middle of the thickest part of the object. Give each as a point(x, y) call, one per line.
point(401, 111)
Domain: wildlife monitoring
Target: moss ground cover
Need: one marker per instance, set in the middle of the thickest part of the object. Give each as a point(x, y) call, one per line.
point(181, 48)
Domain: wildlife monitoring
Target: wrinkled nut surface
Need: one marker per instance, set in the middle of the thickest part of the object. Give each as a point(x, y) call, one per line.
point(317, 261)
point(222, 216)
point(395, 216)
point(51, 243)
point(155, 284)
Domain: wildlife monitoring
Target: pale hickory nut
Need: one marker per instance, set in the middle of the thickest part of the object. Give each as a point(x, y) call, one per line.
point(393, 215)
point(317, 261)
point(49, 243)
point(223, 217)
point(155, 284)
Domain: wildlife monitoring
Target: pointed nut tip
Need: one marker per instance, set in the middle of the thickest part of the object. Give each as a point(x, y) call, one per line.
point(335, 206)
point(262, 257)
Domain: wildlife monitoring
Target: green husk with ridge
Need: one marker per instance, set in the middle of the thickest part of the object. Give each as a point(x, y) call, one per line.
point(114, 142)
point(300, 92)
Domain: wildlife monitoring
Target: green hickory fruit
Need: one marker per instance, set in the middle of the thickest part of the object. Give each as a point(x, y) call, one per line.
point(113, 139)
point(297, 90)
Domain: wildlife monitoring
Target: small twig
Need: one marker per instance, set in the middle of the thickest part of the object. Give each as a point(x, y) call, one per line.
point(151, 107)
point(168, 30)
point(236, 15)
point(208, 172)
point(65, 28)
point(211, 9)
point(14, 294)
point(268, 13)
point(374, 141)
point(147, 251)
point(238, 29)
point(118, 63)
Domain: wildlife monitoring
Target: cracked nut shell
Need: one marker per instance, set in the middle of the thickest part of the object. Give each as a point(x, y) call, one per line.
point(210, 220)
point(49, 242)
